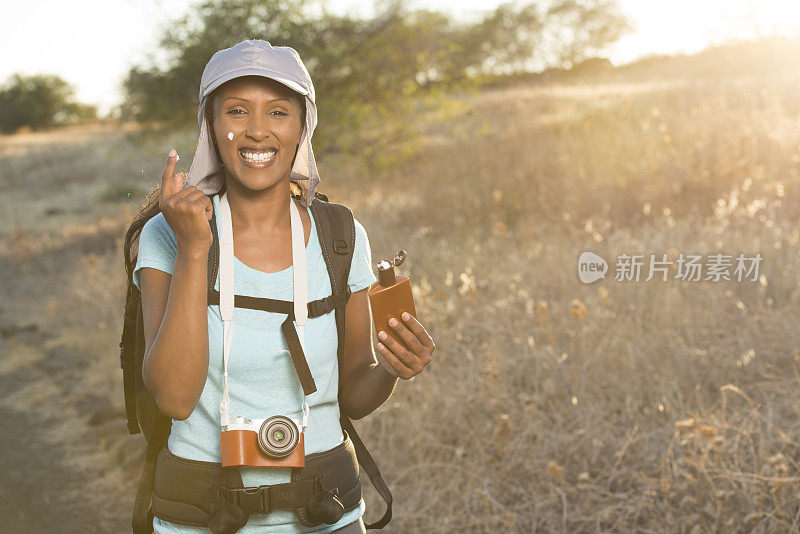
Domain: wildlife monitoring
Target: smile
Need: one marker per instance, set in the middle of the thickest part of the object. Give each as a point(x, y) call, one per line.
point(257, 160)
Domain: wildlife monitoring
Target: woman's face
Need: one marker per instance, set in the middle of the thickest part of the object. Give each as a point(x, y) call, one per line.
point(257, 126)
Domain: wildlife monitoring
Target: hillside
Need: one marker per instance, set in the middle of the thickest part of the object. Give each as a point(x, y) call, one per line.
point(771, 58)
point(550, 405)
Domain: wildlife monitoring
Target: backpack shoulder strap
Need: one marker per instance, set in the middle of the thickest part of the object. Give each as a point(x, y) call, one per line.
point(336, 228)
point(213, 251)
point(126, 357)
point(156, 427)
point(142, 517)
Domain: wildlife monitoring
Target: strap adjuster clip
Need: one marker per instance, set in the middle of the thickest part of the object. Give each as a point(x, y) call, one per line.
point(329, 303)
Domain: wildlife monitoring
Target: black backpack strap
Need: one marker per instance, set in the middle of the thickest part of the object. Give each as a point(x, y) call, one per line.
point(336, 228)
point(337, 233)
point(213, 252)
point(142, 519)
point(156, 426)
point(369, 465)
point(127, 360)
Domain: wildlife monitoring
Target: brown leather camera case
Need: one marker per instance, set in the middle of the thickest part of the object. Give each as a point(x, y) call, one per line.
point(240, 448)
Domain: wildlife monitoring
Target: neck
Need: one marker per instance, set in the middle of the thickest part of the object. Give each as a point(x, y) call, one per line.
point(265, 212)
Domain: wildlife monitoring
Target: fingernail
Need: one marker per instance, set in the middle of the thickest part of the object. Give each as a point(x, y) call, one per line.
point(382, 334)
point(172, 153)
point(177, 157)
point(406, 316)
point(393, 322)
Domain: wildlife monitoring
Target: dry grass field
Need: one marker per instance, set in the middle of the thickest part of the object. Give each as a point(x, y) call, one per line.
point(550, 405)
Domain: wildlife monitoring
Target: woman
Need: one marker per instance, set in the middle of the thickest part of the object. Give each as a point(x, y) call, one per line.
point(257, 114)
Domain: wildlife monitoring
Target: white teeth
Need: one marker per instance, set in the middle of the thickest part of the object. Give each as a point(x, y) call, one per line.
point(257, 157)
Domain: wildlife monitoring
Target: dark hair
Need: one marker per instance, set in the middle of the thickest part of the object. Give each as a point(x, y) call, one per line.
point(150, 209)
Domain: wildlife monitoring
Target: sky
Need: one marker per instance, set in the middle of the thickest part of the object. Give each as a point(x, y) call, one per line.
point(93, 43)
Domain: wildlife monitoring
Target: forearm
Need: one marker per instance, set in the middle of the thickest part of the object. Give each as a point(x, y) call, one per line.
point(366, 390)
point(176, 365)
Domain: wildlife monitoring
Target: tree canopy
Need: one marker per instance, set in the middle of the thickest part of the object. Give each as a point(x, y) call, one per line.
point(39, 101)
point(367, 68)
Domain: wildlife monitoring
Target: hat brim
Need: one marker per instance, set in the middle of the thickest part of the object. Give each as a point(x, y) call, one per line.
point(266, 73)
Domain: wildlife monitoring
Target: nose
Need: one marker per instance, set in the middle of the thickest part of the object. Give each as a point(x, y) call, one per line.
point(258, 126)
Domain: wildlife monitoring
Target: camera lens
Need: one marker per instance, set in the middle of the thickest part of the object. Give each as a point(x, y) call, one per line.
point(278, 436)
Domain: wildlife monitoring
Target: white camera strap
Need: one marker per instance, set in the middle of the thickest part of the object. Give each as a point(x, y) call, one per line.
point(226, 291)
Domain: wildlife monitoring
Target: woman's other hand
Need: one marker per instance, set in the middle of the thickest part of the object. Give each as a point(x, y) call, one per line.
point(186, 209)
point(407, 362)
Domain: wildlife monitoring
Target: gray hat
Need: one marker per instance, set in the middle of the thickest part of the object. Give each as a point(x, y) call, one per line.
point(247, 58)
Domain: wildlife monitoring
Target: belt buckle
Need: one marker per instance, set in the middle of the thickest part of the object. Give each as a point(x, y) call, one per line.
point(255, 498)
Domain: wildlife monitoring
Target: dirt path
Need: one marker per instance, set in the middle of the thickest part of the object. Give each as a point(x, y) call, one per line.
point(67, 463)
point(32, 486)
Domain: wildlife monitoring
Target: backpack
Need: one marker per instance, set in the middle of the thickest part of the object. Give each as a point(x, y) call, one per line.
point(336, 231)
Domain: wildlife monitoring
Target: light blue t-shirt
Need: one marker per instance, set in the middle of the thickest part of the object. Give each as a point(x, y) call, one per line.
point(261, 378)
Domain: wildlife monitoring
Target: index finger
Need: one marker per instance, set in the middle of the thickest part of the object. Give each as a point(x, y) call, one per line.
point(168, 179)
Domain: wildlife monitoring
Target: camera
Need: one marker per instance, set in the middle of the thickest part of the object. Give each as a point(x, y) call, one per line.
point(276, 441)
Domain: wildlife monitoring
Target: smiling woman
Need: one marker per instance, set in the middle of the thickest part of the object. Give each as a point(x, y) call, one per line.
point(237, 103)
point(256, 372)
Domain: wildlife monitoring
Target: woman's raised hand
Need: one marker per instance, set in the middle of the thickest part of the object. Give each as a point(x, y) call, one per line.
point(186, 209)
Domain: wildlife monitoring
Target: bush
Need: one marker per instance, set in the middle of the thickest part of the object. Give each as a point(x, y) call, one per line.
point(38, 102)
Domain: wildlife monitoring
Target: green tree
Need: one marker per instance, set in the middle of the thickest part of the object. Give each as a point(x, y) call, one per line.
point(40, 101)
point(165, 94)
point(366, 70)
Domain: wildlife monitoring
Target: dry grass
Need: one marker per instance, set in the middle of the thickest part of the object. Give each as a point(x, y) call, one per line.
point(550, 405)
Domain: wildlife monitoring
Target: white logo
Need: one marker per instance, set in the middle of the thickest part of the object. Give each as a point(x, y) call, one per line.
point(591, 267)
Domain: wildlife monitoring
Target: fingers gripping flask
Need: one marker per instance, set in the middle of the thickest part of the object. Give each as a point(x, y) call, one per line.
point(389, 297)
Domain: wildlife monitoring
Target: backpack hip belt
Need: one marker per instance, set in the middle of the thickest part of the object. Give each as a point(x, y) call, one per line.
point(198, 493)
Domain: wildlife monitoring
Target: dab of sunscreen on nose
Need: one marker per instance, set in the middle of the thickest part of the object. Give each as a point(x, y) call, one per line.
point(230, 136)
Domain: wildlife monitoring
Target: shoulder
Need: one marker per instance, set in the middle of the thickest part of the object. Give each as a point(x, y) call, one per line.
point(361, 274)
point(359, 226)
point(159, 225)
point(157, 247)
point(361, 233)
point(156, 232)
